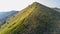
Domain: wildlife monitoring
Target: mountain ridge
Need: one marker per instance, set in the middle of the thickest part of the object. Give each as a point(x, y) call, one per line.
point(35, 19)
point(57, 9)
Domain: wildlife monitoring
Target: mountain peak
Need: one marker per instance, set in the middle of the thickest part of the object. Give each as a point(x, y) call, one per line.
point(36, 3)
point(32, 20)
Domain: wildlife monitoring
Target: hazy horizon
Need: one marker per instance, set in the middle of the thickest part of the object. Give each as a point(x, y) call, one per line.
point(8, 5)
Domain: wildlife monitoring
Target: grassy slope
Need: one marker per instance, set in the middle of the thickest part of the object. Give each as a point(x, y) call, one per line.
point(35, 19)
point(16, 20)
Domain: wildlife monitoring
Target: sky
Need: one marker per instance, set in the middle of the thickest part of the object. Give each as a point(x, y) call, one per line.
point(8, 5)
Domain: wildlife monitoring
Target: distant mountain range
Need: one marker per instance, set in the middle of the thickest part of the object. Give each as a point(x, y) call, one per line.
point(57, 9)
point(5, 15)
point(34, 19)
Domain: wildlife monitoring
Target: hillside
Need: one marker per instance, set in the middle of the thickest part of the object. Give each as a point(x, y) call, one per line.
point(6, 15)
point(34, 19)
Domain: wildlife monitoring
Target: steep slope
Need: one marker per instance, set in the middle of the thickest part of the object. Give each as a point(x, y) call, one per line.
point(35, 19)
point(6, 15)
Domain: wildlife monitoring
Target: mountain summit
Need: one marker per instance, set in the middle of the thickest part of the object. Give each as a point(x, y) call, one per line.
point(34, 19)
